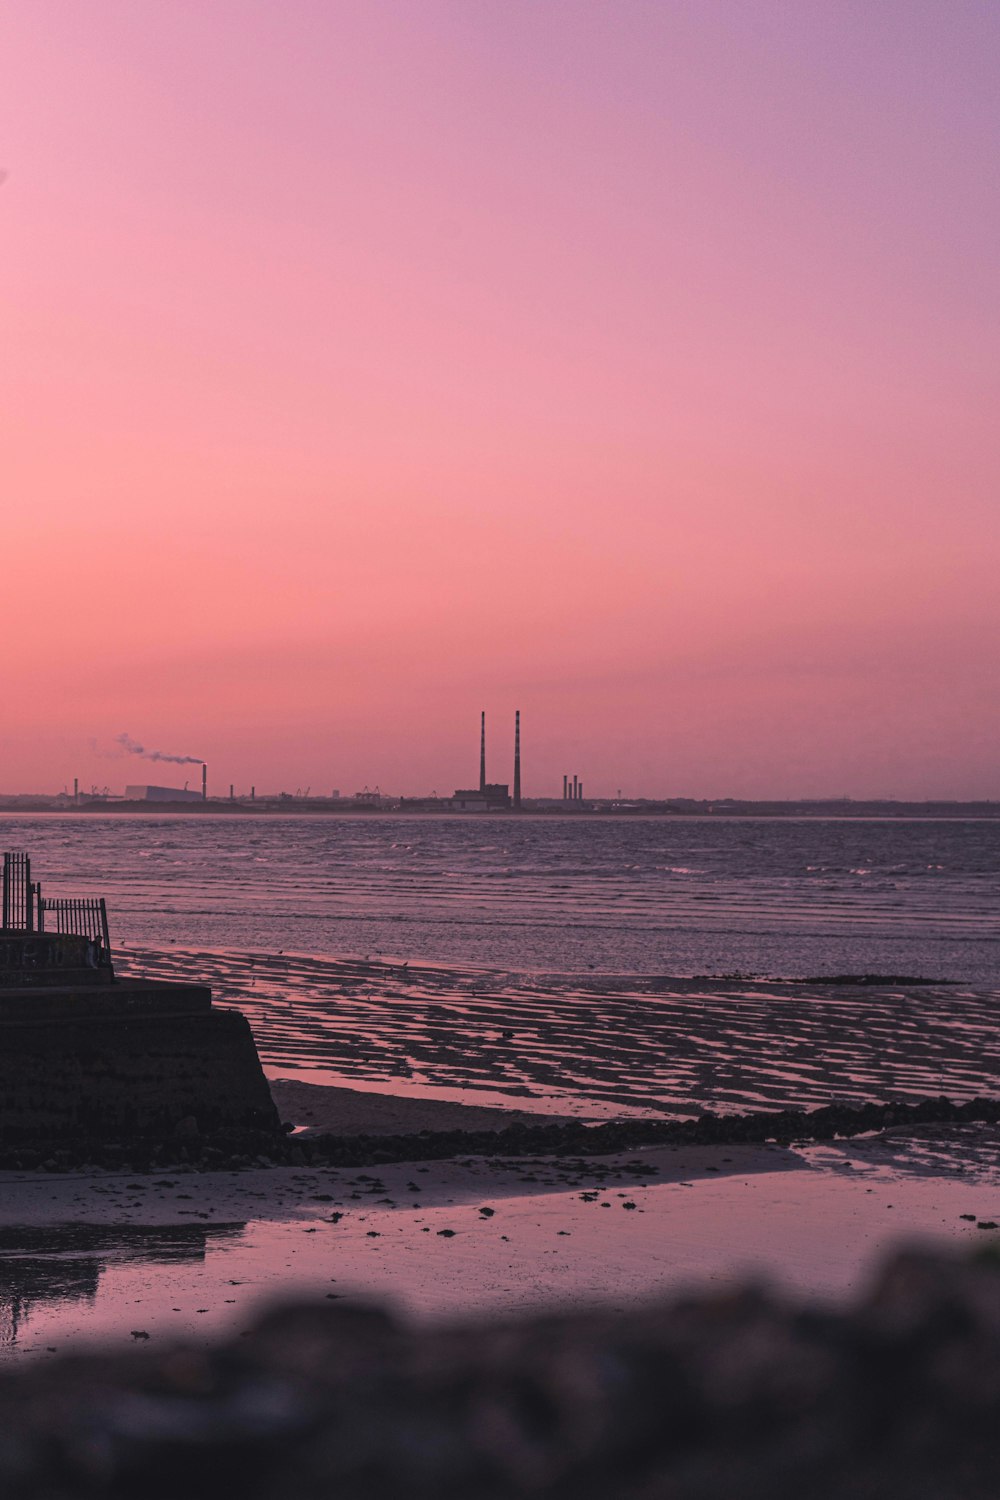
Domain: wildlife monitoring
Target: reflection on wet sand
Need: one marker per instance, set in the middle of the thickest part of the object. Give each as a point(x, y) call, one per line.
point(936, 1152)
point(61, 1264)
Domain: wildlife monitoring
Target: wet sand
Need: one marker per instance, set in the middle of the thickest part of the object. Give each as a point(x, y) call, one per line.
point(364, 1047)
point(602, 1046)
point(109, 1256)
point(326, 1108)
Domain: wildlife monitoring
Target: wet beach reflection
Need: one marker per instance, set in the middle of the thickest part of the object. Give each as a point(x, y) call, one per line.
point(60, 1265)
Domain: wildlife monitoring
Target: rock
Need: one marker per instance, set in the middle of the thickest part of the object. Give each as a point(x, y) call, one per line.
point(709, 1397)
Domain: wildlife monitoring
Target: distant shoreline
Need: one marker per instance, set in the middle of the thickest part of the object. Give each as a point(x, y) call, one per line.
point(596, 808)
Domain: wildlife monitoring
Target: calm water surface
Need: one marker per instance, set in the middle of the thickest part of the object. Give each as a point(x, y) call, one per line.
point(643, 895)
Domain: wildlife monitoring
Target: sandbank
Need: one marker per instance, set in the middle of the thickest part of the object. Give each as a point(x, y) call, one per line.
point(599, 1046)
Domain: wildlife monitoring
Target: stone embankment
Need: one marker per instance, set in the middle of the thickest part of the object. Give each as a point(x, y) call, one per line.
point(227, 1147)
point(734, 1396)
point(124, 1061)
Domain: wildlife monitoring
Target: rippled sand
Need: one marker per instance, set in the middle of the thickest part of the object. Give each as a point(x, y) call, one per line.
point(129, 1257)
point(594, 1047)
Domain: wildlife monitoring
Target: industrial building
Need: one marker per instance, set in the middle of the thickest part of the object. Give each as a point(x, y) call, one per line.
point(161, 794)
point(489, 796)
point(492, 796)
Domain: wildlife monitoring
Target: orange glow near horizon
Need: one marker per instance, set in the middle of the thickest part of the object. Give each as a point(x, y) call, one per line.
point(634, 366)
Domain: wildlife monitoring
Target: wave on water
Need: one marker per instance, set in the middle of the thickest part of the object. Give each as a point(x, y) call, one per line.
point(669, 895)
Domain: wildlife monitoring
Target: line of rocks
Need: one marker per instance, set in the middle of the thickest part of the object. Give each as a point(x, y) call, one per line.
point(236, 1150)
point(737, 1394)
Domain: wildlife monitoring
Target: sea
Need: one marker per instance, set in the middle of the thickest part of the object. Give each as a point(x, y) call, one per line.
point(784, 897)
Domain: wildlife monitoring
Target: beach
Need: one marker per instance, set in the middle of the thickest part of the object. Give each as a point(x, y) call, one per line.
point(597, 1046)
point(452, 1035)
point(367, 1051)
point(123, 1258)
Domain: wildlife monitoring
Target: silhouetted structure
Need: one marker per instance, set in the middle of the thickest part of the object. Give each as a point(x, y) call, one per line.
point(517, 760)
point(492, 796)
point(25, 910)
point(84, 1054)
point(495, 797)
point(146, 793)
point(482, 752)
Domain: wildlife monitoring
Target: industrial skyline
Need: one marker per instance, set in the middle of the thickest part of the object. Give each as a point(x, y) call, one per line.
point(567, 789)
point(491, 796)
point(487, 796)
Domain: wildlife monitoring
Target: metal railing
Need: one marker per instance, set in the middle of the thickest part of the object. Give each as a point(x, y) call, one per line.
point(78, 916)
point(25, 909)
point(19, 893)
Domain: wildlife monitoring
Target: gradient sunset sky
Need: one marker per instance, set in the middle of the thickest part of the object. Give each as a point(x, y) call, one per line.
point(366, 363)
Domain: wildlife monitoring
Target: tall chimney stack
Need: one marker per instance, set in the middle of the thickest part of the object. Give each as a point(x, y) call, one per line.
point(204, 783)
point(575, 785)
point(565, 788)
point(482, 751)
point(517, 760)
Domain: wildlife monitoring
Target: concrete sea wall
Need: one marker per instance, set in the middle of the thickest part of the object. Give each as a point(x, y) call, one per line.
point(126, 1060)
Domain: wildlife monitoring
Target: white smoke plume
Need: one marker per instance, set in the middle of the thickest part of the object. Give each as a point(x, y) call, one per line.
point(132, 747)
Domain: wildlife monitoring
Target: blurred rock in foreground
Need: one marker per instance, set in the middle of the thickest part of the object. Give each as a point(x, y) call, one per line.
point(722, 1397)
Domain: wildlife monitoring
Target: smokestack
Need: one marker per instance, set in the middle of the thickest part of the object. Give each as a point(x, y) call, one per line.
point(565, 788)
point(253, 794)
point(76, 788)
point(231, 798)
point(575, 792)
point(482, 752)
point(580, 792)
point(517, 760)
point(204, 782)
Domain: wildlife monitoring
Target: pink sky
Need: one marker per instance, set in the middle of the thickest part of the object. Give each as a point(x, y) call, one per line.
point(366, 363)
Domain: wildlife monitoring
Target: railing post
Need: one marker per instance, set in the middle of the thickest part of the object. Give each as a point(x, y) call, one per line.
point(25, 908)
